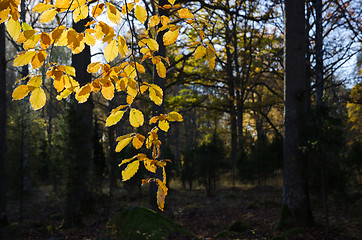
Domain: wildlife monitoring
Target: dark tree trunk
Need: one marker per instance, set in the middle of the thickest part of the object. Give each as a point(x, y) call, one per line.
point(81, 125)
point(296, 211)
point(3, 212)
point(157, 110)
point(319, 72)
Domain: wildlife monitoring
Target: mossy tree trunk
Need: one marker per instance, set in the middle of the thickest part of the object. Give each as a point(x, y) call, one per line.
point(296, 210)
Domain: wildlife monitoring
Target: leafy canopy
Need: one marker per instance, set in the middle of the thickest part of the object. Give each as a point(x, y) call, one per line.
point(109, 78)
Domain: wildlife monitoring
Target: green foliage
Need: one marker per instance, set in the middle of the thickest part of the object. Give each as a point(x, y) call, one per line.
point(141, 224)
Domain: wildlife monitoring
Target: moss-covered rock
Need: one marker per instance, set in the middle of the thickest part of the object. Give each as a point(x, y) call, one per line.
point(142, 223)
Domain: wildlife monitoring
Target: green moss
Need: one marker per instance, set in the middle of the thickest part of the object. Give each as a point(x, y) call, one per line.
point(142, 223)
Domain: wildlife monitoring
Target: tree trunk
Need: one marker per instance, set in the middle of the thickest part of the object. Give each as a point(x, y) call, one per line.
point(296, 211)
point(157, 110)
point(3, 212)
point(81, 125)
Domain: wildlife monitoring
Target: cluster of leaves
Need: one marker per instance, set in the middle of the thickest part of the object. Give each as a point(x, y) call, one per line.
point(37, 50)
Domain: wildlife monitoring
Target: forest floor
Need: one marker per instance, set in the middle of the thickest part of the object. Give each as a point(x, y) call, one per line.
point(251, 212)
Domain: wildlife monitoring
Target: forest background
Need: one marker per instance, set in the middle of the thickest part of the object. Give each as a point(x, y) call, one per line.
point(225, 72)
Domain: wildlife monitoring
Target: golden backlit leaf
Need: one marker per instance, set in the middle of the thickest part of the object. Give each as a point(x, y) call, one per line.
point(13, 27)
point(127, 7)
point(111, 51)
point(35, 81)
point(156, 94)
point(108, 91)
point(200, 52)
point(122, 46)
point(89, 39)
point(174, 116)
point(20, 92)
point(41, 7)
point(149, 165)
point(113, 14)
point(138, 141)
point(69, 70)
point(48, 15)
point(171, 1)
point(161, 194)
point(24, 58)
point(165, 20)
point(136, 118)
point(94, 67)
point(114, 118)
point(185, 13)
point(151, 43)
point(130, 170)
point(161, 69)
point(37, 98)
point(163, 125)
point(97, 10)
point(141, 13)
point(170, 37)
point(45, 40)
point(123, 143)
point(38, 60)
point(154, 20)
point(80, 13)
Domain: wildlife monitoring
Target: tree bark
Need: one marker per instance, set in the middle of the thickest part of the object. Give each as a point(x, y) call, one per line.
point(296, 211)
point(81, 130)
point(3, 202)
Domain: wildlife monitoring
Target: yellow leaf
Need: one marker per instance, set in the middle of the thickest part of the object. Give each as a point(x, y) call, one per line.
point(37, 98)
point(94, 67)
point(161, 194)
point(185, 13)
point(136, 117)
point(41, 7)
point(138, 141)
point(45, 40)
point(62, 4)
point(20, 92)
point(80, 13)
point(59, 84)
point(171, 1)
point(149, 165)
point(165, 20)
point(151, 43)
point(200, 52)
point(127, 7)
point(86, 89)
point(154, 20)
point(114, 118)
point(131, 72)
point(156, 94)
point(97, 10)
point(170, 37)
point(122, 46)
point(123, 143)
point(48, 15)
point(64, 94)
point(161, 69)
point(127, 160)
point(141, 13)
point(24, 58)
point(35, 81)
point(38, 60)
point(174, 116)
point(111, 51)
point(163, 125)
point(130, 170)
point(113, 14)
point(69, 70)
point(202, 34)
point(13, 28)
point(164, 175)
point(108, 91)
point(77, 4)
point(89, 39)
